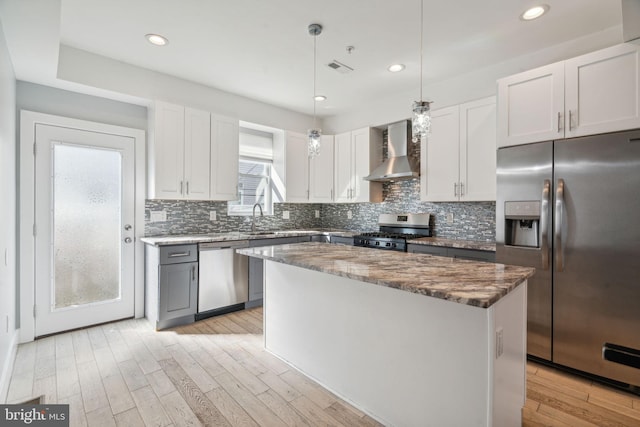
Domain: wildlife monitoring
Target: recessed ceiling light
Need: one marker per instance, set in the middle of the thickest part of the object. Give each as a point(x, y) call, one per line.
point(320, 97)
point(157, 39)
point(396, 68)
point(534, 12)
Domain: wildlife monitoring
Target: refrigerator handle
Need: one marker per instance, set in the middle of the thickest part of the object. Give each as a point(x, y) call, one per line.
point(557, 232)
point(544, 224)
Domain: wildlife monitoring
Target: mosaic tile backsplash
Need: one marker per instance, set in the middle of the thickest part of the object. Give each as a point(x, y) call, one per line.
point(473, 221)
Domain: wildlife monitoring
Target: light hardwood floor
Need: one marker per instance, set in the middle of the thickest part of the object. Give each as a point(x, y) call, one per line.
point(215, 373)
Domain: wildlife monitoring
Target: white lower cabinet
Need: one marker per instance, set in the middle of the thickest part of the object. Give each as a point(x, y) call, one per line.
point(458, 159)
point(356, 154)
point(193, 154)
point(308, 179)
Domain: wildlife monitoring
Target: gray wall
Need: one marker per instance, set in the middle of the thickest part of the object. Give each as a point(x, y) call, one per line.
point(8, 247)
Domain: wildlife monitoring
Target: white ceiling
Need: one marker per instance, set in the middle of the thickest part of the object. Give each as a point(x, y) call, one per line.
point(261, 48)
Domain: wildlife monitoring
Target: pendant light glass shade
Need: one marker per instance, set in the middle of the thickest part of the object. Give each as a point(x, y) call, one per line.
point(421, 120)
point(314, 134)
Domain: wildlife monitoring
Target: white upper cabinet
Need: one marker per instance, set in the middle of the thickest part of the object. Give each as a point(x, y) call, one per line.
point(356, 154)
point(594, 93)
point(531, 106)
point(603, 91)
point(458, 160)
point(478, 150)
point(297, 167)
point(196, 154)
point(224, 158)
point(309, 179)
point(321, 172)
point(193, 155)
point(439, 162)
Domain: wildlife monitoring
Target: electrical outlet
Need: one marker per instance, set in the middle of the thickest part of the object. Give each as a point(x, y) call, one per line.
point(450, 218)
point(285, 214)
point(349, 214)
point(499, 342)
point(157, 216)
point(317, 213)
point(213, 216)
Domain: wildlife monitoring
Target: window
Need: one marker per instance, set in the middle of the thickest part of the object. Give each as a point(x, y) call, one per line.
point(255, 178)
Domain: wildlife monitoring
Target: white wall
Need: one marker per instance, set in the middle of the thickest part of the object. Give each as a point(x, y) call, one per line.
point(45, 99)
point(89, 69)
point(7, 215)
point(473, 85)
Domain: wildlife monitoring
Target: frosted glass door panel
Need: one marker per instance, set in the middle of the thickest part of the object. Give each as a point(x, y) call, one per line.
point(84, 234)
point(87, 192)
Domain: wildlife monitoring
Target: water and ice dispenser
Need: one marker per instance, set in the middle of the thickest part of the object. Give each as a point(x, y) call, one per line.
point(522, 220)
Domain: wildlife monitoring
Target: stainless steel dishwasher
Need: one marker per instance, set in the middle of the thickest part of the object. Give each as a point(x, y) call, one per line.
point(224, 276)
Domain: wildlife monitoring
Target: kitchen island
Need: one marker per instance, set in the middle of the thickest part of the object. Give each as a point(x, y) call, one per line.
point(410, 339)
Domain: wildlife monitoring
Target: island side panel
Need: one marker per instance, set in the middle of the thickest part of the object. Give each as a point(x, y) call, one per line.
point(404, 358)
point(508, 318)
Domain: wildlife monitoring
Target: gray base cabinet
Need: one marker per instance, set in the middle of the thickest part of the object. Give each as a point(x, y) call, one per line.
point(470, 254)
point(171, 285)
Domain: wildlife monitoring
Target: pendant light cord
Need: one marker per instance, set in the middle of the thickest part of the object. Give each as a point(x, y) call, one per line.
point(421, 38)
point(315, 37)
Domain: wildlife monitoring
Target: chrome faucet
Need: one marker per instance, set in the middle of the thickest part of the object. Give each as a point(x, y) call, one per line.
point(253, 218)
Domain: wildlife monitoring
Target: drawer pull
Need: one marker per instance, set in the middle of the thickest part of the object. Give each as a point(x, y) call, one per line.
point(179, 254)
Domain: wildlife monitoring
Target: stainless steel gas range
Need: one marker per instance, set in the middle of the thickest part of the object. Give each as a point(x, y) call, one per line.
point(395, 230)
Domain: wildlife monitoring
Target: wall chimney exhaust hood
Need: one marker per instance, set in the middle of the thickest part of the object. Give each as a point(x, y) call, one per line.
point(402, 163)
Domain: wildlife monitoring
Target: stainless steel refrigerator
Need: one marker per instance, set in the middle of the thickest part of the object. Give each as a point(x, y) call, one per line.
point(571, 209)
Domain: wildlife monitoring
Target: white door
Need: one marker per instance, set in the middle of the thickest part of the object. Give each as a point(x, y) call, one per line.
point(84, 212)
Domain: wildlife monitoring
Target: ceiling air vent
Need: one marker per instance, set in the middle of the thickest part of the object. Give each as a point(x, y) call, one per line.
point(339, 67)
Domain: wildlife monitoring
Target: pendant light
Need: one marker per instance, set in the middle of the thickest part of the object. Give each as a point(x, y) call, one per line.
point(314, 134)
point(421, 120)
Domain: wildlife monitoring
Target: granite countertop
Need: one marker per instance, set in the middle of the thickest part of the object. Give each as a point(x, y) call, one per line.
point(479, 284)
point(183, 239)
point(455, 243)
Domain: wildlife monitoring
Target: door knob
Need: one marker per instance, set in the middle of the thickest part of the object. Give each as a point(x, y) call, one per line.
point(128, 240)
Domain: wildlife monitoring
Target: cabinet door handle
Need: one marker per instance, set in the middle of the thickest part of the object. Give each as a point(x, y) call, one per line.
point(559, 121)
point(193, 273)
point(181, 192)
point(187, 188)
point(570, 120)
point(461, 189)
point(455, 189)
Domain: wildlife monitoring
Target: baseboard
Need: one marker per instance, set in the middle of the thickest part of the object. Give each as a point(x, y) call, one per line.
point(5, 376)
